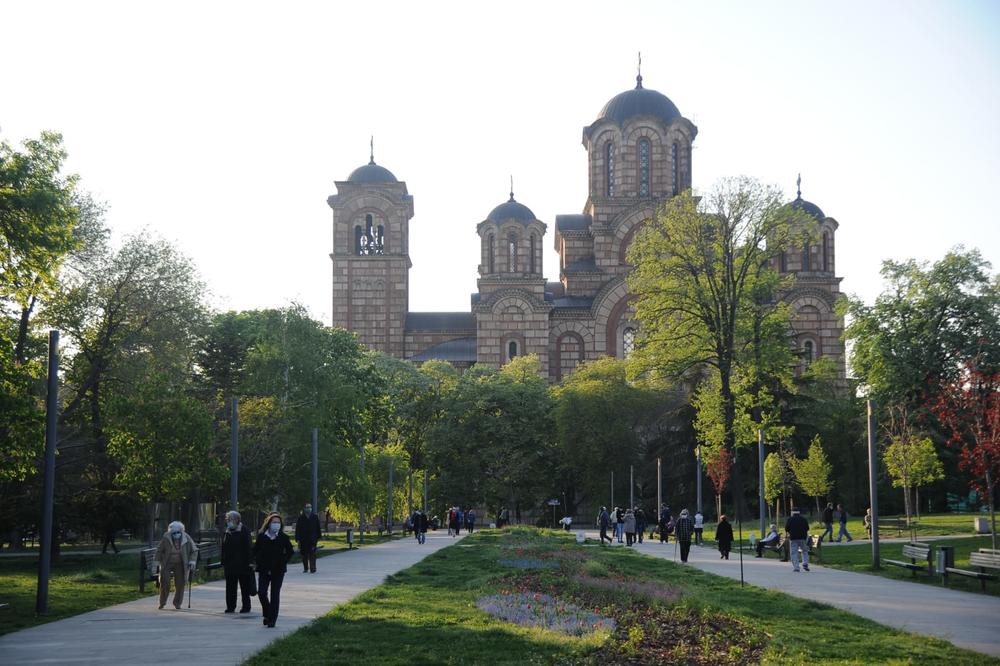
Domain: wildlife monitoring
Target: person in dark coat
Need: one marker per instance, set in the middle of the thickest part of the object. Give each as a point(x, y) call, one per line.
point(827, 522)
point(640, 522)
point(236, 562)
point(724, 537)
point(683, 529)
point(307, 534)
point(797, 528)
point(664, 524)
point(272, 551)
point(603, 520)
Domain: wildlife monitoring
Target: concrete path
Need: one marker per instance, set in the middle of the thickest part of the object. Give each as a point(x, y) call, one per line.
point(968, 620)
point(136, 633)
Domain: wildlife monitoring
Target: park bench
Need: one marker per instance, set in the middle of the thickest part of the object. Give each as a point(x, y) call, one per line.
point(208, 551)
point(898, 524)
point(149, 568)
point(982, 560)
point(915, 551)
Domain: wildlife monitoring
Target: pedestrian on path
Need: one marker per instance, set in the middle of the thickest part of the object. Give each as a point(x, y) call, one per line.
point(683, 530)
point(797, 528)
point(868, 523)
point(470, 521)
point(603, 520)
point(664, 523)
point(699, 527)
point(640, 522)
point(842, 513)
point(724, 537)
point(272, 550)
point(618, 516)
point(827, 522)
point(307, 534)
point(109, 539)
point(629, 524)
point(422, 528)
point(177, 557)
point(236, 562)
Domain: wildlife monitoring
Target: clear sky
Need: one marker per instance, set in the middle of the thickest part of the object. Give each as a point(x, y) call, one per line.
point(222, 126)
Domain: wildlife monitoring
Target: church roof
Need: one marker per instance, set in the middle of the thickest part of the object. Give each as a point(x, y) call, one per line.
point(638, 102)
point(440, 321)
point(807, 207)
point(371, 173)
point(459, 350)
point(573, 222)
point(511, 210)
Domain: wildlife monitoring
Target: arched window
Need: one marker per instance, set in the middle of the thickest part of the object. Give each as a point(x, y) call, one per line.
point(783, 262)
point(358, 234)
point(675, 167)
point(531, 257)
point(826, 251)
point(609, 178)
point(643, 167)
point(371, 239)
point(808, 352)
point(805, 256)
point(628, 341)
point(512, 350)
point(491, 252)
point(511, 253)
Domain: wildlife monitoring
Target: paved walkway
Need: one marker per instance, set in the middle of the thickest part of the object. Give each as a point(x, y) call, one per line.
point(136, 633)
point(968, 620)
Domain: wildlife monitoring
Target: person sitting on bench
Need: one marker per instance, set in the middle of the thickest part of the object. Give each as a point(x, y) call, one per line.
point(770, 541)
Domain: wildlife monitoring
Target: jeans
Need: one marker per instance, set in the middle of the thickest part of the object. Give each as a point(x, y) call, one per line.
point(828, 530)
point(844, 533)
point(619, 530)
point(795, 546)
point(270, 603)
point(422, 537)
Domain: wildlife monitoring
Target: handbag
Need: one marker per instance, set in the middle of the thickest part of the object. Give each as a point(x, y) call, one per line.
point(253, 583)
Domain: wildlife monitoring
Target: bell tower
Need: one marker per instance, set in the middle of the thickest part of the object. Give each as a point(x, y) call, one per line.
point(371, 261)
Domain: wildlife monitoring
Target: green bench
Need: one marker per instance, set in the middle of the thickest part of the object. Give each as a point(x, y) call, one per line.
point(982, 560)
point(919, 555)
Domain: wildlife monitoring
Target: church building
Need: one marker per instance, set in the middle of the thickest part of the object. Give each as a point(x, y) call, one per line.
point(638, 156)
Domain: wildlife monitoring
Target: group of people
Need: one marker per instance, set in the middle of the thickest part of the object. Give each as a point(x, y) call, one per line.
point(630, 523)
point(268, 551)
point(840, 515)
point(457, 520)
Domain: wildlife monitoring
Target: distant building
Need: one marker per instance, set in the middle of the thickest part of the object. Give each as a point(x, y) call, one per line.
point(639, 155)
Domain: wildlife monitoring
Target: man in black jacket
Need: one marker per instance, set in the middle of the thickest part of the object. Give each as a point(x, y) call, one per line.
point(827, 522)
point(236, 562)
point(798, 532)
point(307, 533)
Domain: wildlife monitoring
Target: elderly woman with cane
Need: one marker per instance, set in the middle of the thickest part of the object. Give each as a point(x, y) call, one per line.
point(272, 550)
point(177, 555)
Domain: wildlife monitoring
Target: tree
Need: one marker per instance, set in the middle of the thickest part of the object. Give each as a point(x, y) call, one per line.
point(718, 466)
point(910, 460)
point(706, 290)
point(969, 407)
point(813, 472)
point(776, 478)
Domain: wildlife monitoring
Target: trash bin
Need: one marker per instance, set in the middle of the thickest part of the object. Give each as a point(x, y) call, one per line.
point(980, 525)
point(350, 538)
point(945, 559)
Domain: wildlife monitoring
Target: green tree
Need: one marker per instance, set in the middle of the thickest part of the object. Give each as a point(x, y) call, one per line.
point(706, 291)
point(776, 478)
point(912, 462)
point(813, 473)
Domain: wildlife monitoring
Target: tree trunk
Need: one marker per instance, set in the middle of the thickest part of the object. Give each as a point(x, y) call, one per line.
point(917, 503)
point(991, 490)
point(22, 332)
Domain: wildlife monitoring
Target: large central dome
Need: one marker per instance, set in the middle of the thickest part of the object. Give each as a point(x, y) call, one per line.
point(639, 102)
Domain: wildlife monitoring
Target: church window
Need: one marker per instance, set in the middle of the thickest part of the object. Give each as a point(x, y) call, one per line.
point(511, 253)
point(628, 341)
point(826, 251)
point(531, 257)
point(644, 167)
point(371, 239)
point(512, 350)
point(675, 167)
point(490, 253)
point(808, 352)
point(783, 262)
point(610, 171)
point(805, 256)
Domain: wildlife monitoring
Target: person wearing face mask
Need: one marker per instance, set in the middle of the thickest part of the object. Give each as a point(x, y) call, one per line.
point(307, 533)
point(272, 551)
point(177, 556)
point(236, 562)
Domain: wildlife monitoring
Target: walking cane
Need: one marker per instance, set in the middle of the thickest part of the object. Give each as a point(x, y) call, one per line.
point(189, 581)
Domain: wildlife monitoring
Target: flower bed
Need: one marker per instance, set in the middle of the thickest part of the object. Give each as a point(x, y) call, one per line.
point(527, 563)
point(534, 609)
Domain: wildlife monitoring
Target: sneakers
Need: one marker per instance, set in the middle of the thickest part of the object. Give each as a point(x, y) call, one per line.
point(795, 570)
point(806, 567)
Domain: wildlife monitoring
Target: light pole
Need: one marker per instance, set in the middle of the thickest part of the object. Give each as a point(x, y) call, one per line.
point(234, 453)
point(49, 484)
point(659, 488)
point(760, 473)
point(315, 469)
point(699, 480)
point(631, 486)
point(873, 483)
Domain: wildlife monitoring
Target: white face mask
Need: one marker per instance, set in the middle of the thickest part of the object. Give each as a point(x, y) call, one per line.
point(275, 527)
point(231, 525)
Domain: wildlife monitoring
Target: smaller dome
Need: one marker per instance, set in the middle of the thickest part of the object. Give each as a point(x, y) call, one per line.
point(511, 210)
point(808, 207)
point(371, 173)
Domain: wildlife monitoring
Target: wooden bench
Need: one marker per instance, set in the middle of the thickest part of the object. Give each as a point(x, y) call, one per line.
point(149, 568)
point(898, 524)
point(915, 551)
point(208, 551)
point(781, 548)
point(982, 560)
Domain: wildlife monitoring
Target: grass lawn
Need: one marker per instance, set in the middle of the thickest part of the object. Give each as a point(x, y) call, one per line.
point(653, 611)
point(859, 558)
point(82, 583)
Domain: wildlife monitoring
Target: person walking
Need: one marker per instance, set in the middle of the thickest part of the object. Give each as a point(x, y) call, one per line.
point(109, 539)
point(272, 551)
point(453, 521)
point(842, 515)
point(640, 522)
point(868, 523)
point(683, 529)
point(664, 523)
point(177, 556)
point(797, 528)
point(619, 524)
point(470, 521)
point(827, 522)
point(307, 534)
point(236, 560)
point(415, 524)
point(699, 527)
point(629, 527)
point(724, 537)
point(603, 520)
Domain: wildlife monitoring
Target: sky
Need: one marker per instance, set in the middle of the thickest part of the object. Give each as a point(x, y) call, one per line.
point(223, 126)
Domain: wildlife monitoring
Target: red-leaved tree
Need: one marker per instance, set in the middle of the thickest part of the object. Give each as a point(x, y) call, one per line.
point(719, 468)
point(969, 406)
